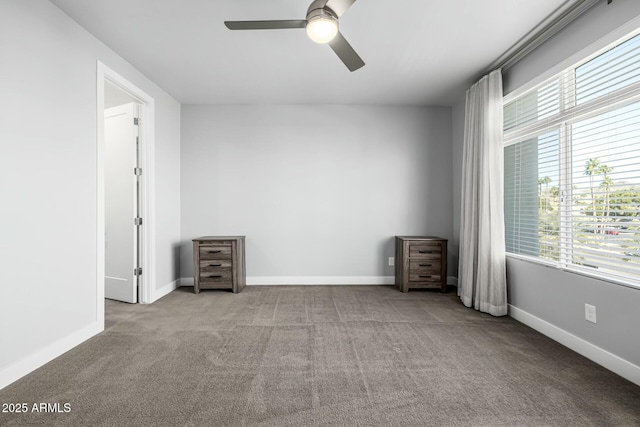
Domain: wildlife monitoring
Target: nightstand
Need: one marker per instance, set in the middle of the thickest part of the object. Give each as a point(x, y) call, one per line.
point(421, 262)
point(219, 263)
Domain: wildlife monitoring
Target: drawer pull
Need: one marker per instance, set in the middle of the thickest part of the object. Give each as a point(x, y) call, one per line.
point(213, 252)
point(426, 277)
point(215, 265)
point(217, 276)
point(425, 252)
point(426, 265)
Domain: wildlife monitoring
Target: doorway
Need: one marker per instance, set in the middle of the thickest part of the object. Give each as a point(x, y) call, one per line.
point(123, 221)
point(119, 100)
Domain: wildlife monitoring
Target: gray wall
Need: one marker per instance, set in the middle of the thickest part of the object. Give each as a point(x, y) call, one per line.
point(558, 297)
point(48, 180)
point(586, 30)
point(319, 190)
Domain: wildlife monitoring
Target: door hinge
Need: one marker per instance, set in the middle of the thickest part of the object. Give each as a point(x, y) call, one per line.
point(137, 221)
point(137, 171)
point(137, 121)
point(137, 271)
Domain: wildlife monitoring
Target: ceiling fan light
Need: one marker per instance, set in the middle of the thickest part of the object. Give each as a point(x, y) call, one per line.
point(322, 29)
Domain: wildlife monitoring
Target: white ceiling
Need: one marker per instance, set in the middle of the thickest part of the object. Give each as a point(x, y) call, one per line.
point(417, 52)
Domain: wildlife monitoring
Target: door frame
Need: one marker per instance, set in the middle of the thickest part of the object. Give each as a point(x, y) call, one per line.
point(147, 187)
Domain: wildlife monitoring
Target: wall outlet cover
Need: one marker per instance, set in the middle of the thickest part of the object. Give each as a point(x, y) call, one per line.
point(590, 313)
point(391, 261)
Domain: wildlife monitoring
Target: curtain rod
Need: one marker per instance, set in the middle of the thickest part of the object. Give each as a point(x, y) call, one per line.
point(552, 24)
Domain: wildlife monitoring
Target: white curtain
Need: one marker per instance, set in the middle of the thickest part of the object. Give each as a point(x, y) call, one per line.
point(482, 282)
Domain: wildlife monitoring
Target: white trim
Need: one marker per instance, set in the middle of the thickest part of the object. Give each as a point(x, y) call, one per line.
point(612, 101)
point(166, 289)
point(574, 269)
point(534, 260)
point(592, 352)
point(100, 198)
point(147, 197)
point(320, 280)
point(632, 27)
point(35, 360)
point(309, 280)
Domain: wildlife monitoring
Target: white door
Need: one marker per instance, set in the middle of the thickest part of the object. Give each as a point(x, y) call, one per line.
point(121, 203)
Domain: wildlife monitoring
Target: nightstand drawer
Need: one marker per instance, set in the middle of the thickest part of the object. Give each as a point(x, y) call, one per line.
point(216, 285)
point(214, 264)
point(424, 277)
point(425, 266)
point(222, 275)
point(215, 252)
point(432, 251)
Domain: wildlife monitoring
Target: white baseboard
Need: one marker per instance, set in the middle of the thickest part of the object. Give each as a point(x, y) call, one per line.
point(32, 362)
point(309, 280)
point(321, 280)
point(600, 356)
point(315, 280)
point(166, 289)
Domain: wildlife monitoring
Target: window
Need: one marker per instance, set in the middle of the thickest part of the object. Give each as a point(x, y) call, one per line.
point(572, 167)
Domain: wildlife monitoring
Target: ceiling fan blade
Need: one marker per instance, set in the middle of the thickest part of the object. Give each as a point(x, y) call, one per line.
point(339, 6)
point(345, 52)
point(265, 25)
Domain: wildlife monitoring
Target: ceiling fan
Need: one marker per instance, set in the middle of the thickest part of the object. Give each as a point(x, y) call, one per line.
point(321, 25)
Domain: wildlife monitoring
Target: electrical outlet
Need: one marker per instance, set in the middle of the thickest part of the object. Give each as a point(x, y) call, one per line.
point(590, 313)
point(391, 261)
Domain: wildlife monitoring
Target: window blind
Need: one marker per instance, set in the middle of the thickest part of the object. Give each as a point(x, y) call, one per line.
point(572, 166)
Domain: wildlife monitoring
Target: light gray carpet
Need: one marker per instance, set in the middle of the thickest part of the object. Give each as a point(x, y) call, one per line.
point(320, 356)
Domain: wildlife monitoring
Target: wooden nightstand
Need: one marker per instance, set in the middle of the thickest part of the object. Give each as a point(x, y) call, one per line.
point(421, 262)
point(218, 263)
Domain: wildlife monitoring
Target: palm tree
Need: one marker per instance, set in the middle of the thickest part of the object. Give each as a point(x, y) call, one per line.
point(607, 183)
point(604, 169)
point(590, 169)
point(543, 181)
point(542, 202)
